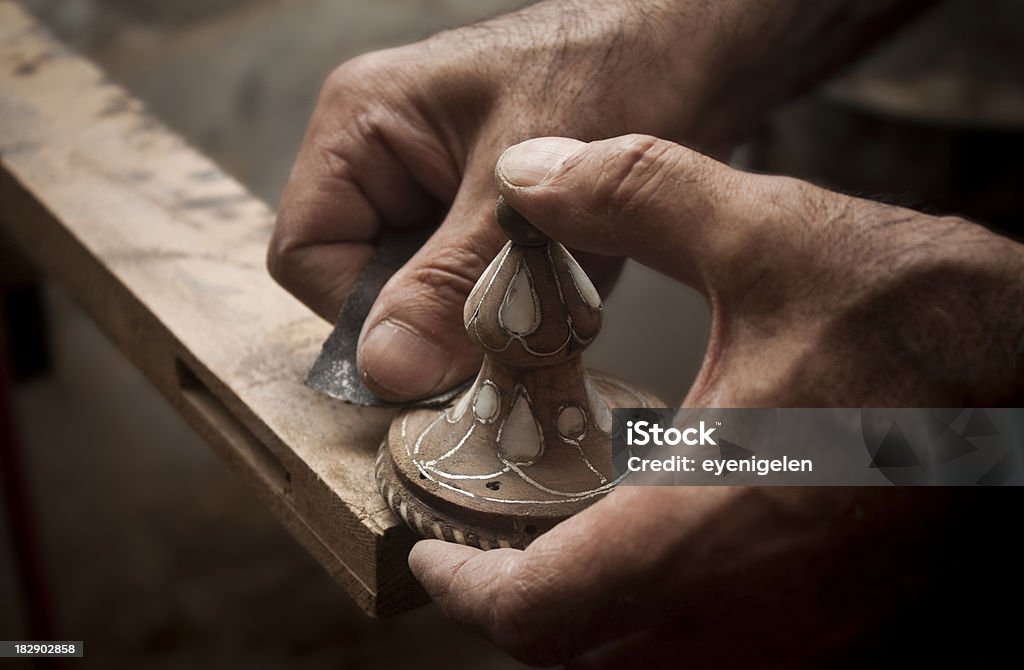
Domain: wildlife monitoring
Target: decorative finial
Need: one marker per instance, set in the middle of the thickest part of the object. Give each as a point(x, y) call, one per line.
point(529, 443)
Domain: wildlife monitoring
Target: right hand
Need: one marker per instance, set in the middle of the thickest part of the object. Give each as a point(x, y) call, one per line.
point(408, 137)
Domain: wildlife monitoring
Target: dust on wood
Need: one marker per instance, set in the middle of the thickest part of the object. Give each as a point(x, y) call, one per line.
point(166, 253)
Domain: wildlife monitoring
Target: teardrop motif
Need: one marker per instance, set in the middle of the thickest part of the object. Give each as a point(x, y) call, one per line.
point(519, 439)
point(585, 287)
point(487, 404)
point(520, 313)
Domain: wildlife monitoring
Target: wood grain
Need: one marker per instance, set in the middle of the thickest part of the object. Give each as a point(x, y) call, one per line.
point(166, 253)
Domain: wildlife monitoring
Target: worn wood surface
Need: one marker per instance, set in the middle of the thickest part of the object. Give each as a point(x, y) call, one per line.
point(166, 253)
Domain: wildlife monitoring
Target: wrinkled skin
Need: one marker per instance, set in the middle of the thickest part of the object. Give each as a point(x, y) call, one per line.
point(408, 137)
point(817, 299)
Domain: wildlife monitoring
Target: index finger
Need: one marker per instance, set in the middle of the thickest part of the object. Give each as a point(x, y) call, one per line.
point(361, 169)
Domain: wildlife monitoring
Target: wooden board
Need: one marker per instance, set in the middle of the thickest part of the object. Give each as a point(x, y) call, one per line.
point(166, 253)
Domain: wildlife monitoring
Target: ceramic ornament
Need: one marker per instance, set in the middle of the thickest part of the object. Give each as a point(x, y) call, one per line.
point(529, 443)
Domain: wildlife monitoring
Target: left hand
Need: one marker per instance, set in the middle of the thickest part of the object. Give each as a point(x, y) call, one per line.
point(818, 299)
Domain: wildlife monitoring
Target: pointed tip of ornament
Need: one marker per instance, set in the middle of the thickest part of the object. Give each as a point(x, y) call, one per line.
point(516, 227)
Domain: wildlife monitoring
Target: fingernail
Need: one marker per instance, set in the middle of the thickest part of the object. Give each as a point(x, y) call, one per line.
point(398, 360)
point(529, 162)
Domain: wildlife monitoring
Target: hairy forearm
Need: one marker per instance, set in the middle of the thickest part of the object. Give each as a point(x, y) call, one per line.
point(690, 70)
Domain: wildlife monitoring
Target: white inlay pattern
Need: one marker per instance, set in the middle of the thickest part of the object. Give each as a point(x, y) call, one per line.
point(602, 414)
point(583, 283)
point(482, 284)
point(486, 405)
point(571, 422)
point(519, 437)
point(520, 313)
point(563, 496)
point(461, 405)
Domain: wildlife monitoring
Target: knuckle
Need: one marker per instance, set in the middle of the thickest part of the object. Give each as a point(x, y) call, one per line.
point(449, 277)
point(645, 177)
point(629, 176)
point(275, 262)
point(291, 237)
point(353, 75)
point(281, 253)
point(332, 157)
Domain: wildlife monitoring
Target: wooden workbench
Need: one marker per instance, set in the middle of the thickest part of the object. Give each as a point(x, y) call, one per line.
point(166, 253)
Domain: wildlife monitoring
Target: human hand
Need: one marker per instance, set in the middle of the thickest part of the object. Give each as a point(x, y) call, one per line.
point(697, 577)
point(818, 299)
point(408, 137)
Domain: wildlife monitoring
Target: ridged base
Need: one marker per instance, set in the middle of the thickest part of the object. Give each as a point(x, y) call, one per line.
point(514, 531)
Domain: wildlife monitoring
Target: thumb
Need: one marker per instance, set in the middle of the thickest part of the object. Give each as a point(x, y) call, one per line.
point(669, 207)
point(413, 343)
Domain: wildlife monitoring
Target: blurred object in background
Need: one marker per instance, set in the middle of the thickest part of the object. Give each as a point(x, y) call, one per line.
point(238, 78)
point(932, 119)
